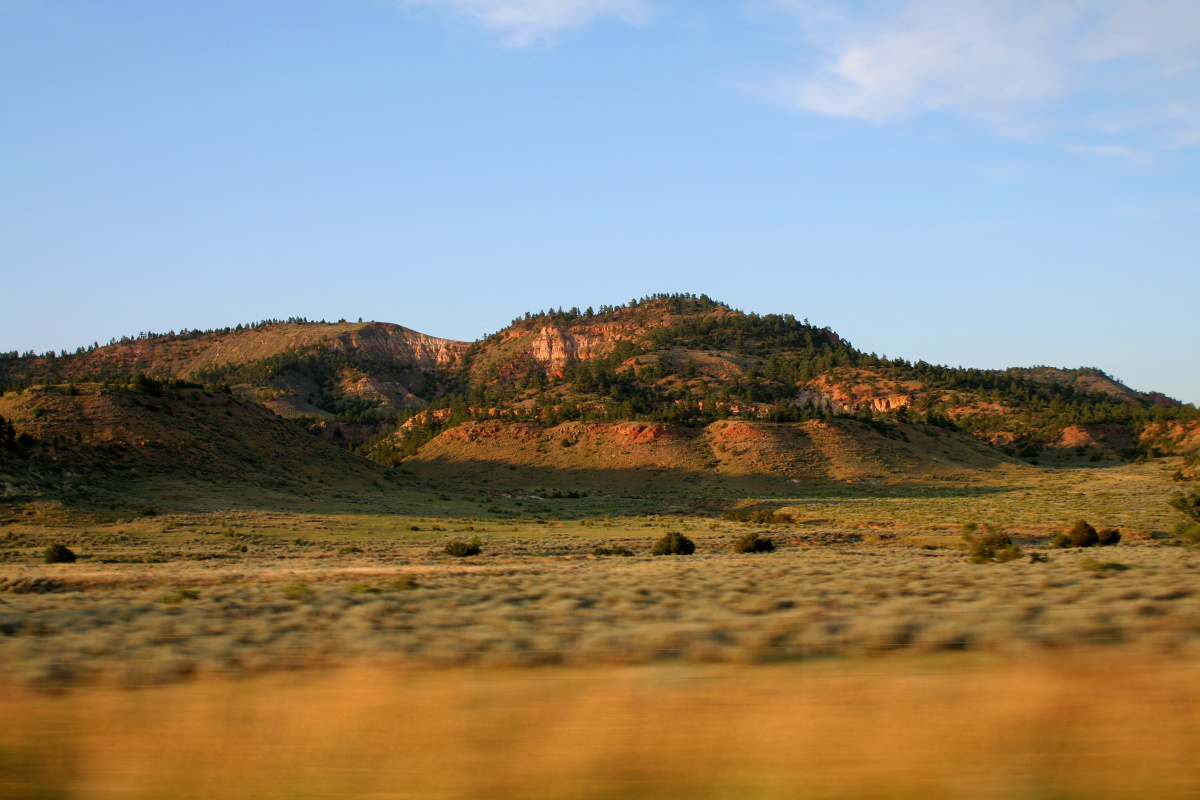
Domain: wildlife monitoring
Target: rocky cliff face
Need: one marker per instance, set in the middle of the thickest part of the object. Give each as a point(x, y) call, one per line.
point(849, 391)
point(552, 346)
point(557, 346)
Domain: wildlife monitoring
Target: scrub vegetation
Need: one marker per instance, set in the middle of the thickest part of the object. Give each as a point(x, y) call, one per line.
point(528, 579)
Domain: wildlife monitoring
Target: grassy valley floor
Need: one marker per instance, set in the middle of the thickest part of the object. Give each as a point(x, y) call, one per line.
point(218, 647)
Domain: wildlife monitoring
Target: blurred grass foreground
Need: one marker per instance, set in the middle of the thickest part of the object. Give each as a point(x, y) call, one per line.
point(934, 726)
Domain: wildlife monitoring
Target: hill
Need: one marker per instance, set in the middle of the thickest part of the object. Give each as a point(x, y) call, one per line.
point(127, 448)
point(690, 361)
point(731, 454)
point(685, 365)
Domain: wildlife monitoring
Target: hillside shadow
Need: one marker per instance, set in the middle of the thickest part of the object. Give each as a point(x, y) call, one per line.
point(501, 476)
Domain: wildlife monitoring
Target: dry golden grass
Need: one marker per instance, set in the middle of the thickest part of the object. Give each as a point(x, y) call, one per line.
point(166, 597)
point(866, 657)
point(533, 601)
point(948, 727)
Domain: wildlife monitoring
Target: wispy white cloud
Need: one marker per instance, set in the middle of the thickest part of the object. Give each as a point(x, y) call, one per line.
point(1013, 64)
point(1176, 122)
point(526, 22)
point(1113, 151)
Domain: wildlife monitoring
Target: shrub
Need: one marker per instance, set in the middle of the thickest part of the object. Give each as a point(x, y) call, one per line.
point(615, 550)
point(348, 549)
point(993, 544)
point(297, 591)
point(1061, 541)
point(1092, 565)
point(363, 588)
point(674, 544)
point(179, 595)
point(403, 583)
point(148, 511)
point(1188, 505)
point(1009, 552)
point(59, 554)
point(461, 549)
point(1083, 535)
point(753, 543)
point(1108, 537)
point(1189, 531)
point(764, 517)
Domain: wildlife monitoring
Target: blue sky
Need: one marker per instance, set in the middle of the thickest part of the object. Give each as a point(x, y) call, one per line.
point(991, 184)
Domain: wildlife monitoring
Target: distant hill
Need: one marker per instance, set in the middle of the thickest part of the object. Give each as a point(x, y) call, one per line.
point(685, 364)
point(1093, 380)
point(129, 447)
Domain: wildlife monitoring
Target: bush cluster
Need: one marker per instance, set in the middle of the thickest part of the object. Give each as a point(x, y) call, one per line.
point(461, 549)
point(674, 544)
point(753, 543)
point(1084, 535)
